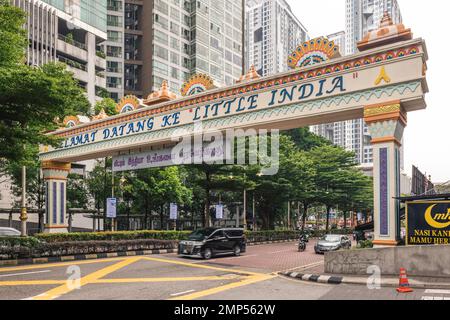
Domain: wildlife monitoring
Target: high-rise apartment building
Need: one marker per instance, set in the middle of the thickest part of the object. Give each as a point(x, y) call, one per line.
point(273, 32)
point(114, 49)
point(361, 17)
point(69, 31)
point(170, 40)
point(339, 38)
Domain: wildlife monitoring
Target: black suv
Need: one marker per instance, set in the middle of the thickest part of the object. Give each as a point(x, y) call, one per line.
point(210, 242)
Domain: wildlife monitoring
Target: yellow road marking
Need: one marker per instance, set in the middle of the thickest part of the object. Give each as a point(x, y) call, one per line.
point(111, 281)
point(60, 264)
point(149, 280)
point(201, 266)
point(246, 282)
point(30, 283)
point(64, 289)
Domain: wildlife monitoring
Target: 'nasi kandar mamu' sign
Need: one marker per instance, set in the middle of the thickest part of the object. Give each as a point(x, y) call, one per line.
point(428, 223)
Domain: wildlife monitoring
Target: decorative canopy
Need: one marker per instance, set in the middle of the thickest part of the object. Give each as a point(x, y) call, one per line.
point(251, 75)
point(127, 104)
point(73, 121)
point(312, 52)
point(198, 83)
point(387, 33)
point(163, 95)
point(102, 115)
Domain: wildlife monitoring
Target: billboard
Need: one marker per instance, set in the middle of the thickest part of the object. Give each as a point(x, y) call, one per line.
point(428, 223)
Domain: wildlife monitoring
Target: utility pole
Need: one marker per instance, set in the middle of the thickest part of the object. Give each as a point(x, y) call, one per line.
point(23, 214)
point(255, 224)
point(289, 215)
point(245, 209)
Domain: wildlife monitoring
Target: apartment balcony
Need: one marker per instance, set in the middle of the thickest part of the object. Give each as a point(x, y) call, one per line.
point(100, 62)
point(79, 74)
point(100, 79)
point(72, 48)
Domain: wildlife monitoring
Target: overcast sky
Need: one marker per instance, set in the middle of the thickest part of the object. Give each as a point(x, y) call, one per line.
point(427, 137)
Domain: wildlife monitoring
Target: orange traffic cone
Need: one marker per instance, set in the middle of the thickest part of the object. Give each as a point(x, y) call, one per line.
point(404, 283)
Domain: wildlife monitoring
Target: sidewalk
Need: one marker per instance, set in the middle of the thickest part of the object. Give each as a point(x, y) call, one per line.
point(317, 275)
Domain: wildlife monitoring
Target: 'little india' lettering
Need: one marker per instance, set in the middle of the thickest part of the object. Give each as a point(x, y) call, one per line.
point(276, 97)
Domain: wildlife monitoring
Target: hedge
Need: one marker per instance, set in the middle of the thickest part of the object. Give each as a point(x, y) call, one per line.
point(113, 236)
point(258, 236)
point(28, 242)
point(43, 250)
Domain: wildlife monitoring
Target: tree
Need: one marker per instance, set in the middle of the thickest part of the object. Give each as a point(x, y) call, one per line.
point(106, 104)
point(152, 189)
point(13, 42)
point(77, 192)
point(338, 182)
point(305, 140)
point(32, 97)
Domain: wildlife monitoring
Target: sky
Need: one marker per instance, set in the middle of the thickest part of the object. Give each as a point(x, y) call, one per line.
point(427, 137)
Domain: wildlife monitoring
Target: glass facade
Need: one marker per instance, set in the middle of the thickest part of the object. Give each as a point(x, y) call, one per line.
point(91, 12)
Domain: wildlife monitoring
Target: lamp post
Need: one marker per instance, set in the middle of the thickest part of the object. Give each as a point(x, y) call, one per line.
point(23, 213)
point(245, 202)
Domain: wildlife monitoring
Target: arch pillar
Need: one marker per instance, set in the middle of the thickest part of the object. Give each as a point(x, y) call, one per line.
point(55, 177)
point(386, 124)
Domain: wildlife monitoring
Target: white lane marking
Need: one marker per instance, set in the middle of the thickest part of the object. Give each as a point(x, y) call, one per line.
point(181, 293)
point(430, 291)
point(23, 274)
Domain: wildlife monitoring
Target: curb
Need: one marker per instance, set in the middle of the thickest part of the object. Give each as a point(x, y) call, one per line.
point(386, 282)
point(31, 261)
point(313, 278)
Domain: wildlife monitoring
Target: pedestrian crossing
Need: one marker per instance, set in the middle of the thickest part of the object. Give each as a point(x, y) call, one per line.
point(436, 295)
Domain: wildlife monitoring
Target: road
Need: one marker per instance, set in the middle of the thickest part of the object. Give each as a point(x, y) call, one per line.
point(168, 277)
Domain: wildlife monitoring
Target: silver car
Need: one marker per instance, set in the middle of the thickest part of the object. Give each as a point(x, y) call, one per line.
point(9, 232)
point(332, 242)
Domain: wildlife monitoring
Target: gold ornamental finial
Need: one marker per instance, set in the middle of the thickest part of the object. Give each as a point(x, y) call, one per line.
point(386, 21)
point(102, 115)
point(163, 95)
point(251, 75)
point(387, 33)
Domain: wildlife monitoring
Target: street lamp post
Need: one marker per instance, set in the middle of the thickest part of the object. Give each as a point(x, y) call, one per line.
point(245, 209)
point(255, 227)
point(23, 214)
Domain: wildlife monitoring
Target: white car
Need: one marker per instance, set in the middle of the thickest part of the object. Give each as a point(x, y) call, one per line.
point(9, 232)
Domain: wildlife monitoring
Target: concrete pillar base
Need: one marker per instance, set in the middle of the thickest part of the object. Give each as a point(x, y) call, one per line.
point(56, 229)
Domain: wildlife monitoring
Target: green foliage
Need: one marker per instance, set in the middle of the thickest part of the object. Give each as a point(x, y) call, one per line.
point(77, 195)
point(113, 236)
point(106, 104)
point(367, 244)
point(31, 97)
point(69, 38)
point(13, 38)
point(28, 242)
point(305, 140)
point(279, 235)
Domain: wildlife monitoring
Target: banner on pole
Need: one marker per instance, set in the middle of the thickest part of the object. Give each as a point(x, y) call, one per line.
point(173, 211)
point(219, 212)
point(111, 208)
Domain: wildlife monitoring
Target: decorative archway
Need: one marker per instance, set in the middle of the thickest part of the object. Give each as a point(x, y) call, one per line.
point(382, 83)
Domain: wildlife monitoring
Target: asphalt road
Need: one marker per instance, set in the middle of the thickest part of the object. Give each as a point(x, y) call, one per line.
point(250, 277)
